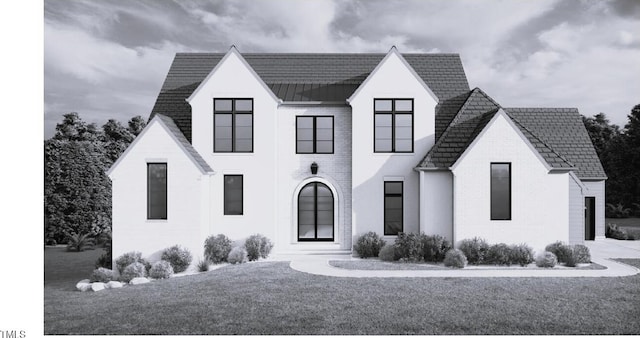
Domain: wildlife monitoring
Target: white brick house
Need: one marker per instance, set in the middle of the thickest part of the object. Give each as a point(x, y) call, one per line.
point(313, 150)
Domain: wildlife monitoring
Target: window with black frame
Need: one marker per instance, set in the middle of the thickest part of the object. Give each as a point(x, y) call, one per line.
point(314, 134)
point(393, 125)
point(156, 191)
point(393, 207)
point(233, 125)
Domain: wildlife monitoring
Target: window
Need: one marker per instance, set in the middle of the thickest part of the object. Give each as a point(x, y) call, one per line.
point(315, 213)
point(314, 135)
point(393, 125)
point(500, 191)
point(393, 208)
point(156, 191)
point(233, 194)
point(233, 125)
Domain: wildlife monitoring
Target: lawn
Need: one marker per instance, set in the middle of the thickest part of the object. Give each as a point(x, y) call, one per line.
point(271, 298)
point(631, 225)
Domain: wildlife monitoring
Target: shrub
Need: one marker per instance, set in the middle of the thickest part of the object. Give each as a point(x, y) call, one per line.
point(613, 231)
point(546, 260)
point(499, 254)
point(238, 255)
point(434, 248)
point(160, 270)
point(455, 258)
point(217, 248)
point(581, 253)
point(178, 257)
point(561, 250)
point(79, 242)
point(369, 245)
point(409, 247)
point(521, 254)
point(104, 260)
point(126, 259)
point(257, 246)
point(102, 275)
point(475, 250)
point(203, 265)
point(387, 253)
point(133, 270)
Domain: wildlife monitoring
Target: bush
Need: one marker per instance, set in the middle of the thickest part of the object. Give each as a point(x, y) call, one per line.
point(434, 248)
point(499, 254)
point(546, 260)
point(238, 255)
point(102, 275)
point(409, 247)
point(455, 258)
point(160, 270)
point(613, 231)
point(217, 248)
point(562, 251)
point(178, 257)
point(387, 253)
point(203, 265)
point(521, 254)
point(104, 261)
point(475, 250)
point(581, 253)
point(369, 245)
point(257, 246)
point(126, 259)
point(79, 242)
point(133, 270)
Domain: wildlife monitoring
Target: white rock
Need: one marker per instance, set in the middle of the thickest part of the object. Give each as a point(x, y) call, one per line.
point(139, 280)
point(83, 285)
point(113, 285)
point(97, 286)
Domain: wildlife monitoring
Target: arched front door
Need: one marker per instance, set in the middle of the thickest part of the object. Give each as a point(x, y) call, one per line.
point(315, 213)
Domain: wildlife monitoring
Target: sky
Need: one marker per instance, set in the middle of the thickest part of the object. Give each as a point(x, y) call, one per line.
point(108, 58)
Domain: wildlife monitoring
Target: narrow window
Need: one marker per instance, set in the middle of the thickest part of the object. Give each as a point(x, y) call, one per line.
point(233, 194)
point(233, 125)
point(314, 135)
point(393, 206)
point(393, 125)
point(500, 191)
point(156, 191)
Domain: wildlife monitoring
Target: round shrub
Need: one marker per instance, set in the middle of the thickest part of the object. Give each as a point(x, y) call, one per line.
point(238, 255)
point(561, 250)
point(257, 246)
point(387, 253)
point(369, 245)
point(434, 248)
point(409, 247)
point(160, 270)
point(102, 275)
point(455, 258)
point(203, 265)
point(126, 259)
point(499, 254)
point(178, 257)
point(475, 250)
point(217, 248)
point(546, 260)
point(521, 254)
point(581, 253)
point(133, 270)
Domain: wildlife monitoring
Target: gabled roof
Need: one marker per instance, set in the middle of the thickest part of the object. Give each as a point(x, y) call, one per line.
point(302, 77)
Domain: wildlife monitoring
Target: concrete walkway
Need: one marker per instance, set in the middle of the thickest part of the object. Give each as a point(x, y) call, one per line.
point(601, 253)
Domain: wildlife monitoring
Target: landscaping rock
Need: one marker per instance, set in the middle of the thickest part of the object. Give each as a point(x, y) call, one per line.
point(97, 286)
point(139, 280)
point(83, 285)
point(113, 285)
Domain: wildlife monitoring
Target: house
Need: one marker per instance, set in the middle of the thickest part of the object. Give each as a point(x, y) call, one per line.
point(313, 150)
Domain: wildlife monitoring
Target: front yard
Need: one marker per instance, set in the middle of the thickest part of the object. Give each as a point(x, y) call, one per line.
point(271, 298)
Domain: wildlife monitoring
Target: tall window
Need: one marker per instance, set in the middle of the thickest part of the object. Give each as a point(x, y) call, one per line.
point(156, 191)
point(500, 191)
point(233, 195)
point(315, 213)
point(393, 130)
point(233, 125)
point(314, 135)
point(393, 206)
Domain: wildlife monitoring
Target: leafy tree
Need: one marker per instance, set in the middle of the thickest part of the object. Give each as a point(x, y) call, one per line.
point(600, 131)
point(136, 124)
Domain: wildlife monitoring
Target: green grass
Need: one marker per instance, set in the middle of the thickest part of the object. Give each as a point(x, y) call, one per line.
point(271, 298)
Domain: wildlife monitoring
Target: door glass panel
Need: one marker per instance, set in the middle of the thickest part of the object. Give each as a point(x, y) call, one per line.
point(315, 212)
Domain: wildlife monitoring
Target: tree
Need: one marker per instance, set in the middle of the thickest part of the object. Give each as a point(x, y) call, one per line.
point(600, 131)
point(136, 124)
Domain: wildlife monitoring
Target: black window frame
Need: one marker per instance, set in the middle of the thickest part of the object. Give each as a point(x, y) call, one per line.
point(315, 140)
point(491, 200)
point(225, 208)
point(393, 114)
point(315, 203)
point(166, 191)
point(233, 114)
point(384, 217)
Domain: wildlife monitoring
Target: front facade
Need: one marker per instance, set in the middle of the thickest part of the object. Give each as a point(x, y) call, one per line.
point(313, 150)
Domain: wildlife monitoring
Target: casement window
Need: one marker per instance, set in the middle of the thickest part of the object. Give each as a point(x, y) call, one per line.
point(233, 195)
point(156, 191)
point(393, 207)
point(233, 125)
point(500, 191)
point(314, 135)
point(393, 125)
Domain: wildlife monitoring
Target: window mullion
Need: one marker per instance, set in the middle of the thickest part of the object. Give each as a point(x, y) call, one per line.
point(233, 125)
point(315, 150)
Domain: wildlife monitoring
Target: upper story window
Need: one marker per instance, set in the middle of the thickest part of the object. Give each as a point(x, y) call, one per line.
point(233, 125)
point(393, 125)
point(500, 191)
point(314, 134)
point(156, 191)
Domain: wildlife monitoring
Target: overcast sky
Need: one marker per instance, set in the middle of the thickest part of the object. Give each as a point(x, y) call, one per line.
point(107, 59)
